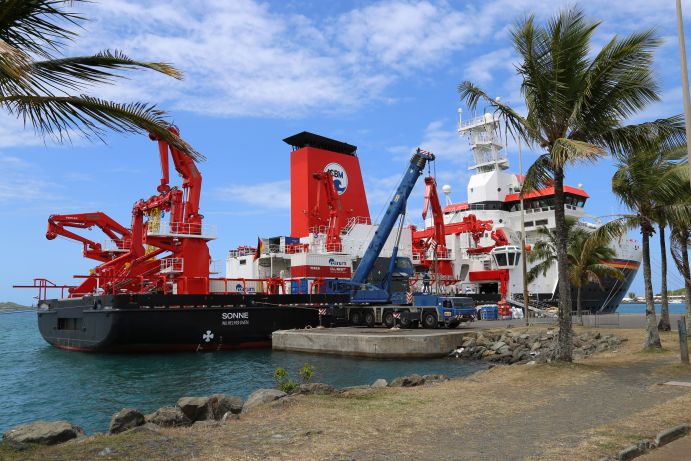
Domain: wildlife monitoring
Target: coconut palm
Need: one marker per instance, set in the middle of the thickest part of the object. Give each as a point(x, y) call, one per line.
point(47, 90)
point(649, 181)
point(663, 324)
point(577, 102)
point(588, 254)
point(680, 240)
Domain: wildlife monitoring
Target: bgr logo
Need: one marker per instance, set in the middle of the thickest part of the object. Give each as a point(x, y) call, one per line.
point(340, 177)
point(333, 262)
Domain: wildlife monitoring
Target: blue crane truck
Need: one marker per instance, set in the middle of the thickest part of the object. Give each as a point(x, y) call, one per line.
point(372, 304)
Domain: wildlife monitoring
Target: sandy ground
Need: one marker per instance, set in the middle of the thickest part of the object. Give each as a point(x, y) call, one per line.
point(584, 410)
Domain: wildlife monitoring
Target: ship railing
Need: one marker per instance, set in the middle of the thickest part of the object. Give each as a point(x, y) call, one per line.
point(353, 221)
point(183, 229)
point(333, 247)
point(172, 265)
point(480, 120)
point(274, 248)
point(216, 266)
point(116, 245)
point(318, 230)
point(242, 251)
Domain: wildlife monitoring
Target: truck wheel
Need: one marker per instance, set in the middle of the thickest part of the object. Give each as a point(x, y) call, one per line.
point(429, 320)
point(356, 318)
point(387, 319)
point(453, 324)
point(406, 323)
point(369, 319)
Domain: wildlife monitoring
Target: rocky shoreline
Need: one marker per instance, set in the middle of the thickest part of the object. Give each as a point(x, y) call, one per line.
point(504, 347)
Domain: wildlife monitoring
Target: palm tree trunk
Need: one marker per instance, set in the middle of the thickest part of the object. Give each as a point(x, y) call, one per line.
point(652, 337)
point(564, 347)
point(664, 324)
point(578, 303)
point(686, 272)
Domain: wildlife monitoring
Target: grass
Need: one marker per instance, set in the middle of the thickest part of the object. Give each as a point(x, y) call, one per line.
point(557, 411)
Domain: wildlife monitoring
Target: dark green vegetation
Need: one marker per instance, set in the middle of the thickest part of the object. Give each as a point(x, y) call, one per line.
point(47, 89)
point(578, 101)
point(10, 306)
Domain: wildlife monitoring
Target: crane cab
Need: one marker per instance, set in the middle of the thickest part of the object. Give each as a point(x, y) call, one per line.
point(506, 257)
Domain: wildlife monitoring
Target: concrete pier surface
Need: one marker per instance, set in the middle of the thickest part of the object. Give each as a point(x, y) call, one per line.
point(371, 342)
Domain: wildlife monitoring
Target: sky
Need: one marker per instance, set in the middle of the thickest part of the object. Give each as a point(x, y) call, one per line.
point(382, 75)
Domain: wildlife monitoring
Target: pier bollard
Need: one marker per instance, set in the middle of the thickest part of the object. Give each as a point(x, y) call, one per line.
point(683, 341)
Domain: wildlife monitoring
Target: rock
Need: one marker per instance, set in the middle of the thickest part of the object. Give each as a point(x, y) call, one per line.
point(408, 381)
point(106, 451)
point(435, 378)
point(504, 350)
point(470, 342)
point(487, 353)
point(227, 403)
point(380, 383)
point(260, 397)
point(198, 408)
point(634, 451)
point(314, 389)
point(230, 417)
point(168, 417)
point(361, 387)
point(498, 345)
point(125, 419)
point(149, 428)
point(42, 433)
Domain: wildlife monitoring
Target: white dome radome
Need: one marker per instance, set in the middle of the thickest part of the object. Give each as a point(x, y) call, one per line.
point(446, 189)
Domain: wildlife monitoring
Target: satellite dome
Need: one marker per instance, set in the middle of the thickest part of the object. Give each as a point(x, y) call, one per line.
point(446, 189)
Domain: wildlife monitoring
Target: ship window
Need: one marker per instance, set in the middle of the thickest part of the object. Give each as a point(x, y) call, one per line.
point(501, 259)
point(528, 224)
point(69, 324)
point(243, 262)
point(541, 222)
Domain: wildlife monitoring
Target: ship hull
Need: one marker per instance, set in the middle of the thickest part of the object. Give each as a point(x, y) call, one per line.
point(169, 323)
point(598, 299)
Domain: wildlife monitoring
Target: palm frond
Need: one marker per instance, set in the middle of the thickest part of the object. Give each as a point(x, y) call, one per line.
point(57, 116)
point(540, 174)
point(78, 72)
point(663, 133)
point(516, 124)
point(568, 150)
point(37, 26)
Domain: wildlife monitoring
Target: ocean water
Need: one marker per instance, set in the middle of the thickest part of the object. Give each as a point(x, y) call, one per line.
point(38, 381)
point(640, 309)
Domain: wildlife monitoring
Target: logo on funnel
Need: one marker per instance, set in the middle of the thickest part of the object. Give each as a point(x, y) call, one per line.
point(340, 177)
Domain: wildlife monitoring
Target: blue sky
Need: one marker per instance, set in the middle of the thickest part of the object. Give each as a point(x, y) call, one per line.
point(378, 74)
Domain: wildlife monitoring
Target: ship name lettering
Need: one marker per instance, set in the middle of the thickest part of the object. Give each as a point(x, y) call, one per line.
point(235, 315)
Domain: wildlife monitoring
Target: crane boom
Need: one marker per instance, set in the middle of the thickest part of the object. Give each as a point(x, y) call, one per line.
point(396, 208)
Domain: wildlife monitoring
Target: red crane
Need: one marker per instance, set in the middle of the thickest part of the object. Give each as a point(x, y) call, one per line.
point(150, 256)
point(334, 225)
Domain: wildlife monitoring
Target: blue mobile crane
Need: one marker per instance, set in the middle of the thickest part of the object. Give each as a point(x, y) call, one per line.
point(372, 304)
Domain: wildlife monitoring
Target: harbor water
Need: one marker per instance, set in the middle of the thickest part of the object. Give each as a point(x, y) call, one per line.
point(38, 381)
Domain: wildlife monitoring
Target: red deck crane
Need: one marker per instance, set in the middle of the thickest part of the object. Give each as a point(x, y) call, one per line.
point(334, 224)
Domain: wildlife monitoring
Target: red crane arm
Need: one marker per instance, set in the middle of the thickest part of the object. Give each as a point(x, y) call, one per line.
point(432, 201)
point(333, 233)
point(120, 235)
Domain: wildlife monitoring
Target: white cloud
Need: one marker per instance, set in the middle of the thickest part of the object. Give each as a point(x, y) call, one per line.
point(274, 195)
point(482, 68)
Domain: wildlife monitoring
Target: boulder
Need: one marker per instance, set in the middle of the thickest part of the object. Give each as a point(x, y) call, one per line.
point(198, 408)
point(260, 397)
point(504, 350)
point(227, 403)
point(42, 433)
point(536, 345)
point(498, 345)
point(435, 378)
point(125, 419)
point(168, 417)
point(470, 342)
point(148, 428)
point(314, 388)
point(380, 383)
point(408, 381)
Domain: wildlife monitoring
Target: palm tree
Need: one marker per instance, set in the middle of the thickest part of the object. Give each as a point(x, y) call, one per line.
point(663, 324)
point(649, 182)
point(680, 240)
point(587, 254)
point(577, 102)
point(46, 89)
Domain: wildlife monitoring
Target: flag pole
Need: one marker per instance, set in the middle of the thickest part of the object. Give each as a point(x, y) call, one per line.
point(684, 81)
point(523, 252)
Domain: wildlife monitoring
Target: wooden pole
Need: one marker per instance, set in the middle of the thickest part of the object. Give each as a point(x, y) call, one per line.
point(683, 341)
point(523, 252)
point(684, 80)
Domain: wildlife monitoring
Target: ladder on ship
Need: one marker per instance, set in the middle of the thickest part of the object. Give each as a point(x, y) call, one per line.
point(534, 305)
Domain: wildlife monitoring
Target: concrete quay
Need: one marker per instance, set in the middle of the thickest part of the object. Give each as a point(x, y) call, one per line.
point(370, 342)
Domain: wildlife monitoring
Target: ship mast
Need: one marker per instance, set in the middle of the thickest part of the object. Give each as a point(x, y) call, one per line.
point(485, 143)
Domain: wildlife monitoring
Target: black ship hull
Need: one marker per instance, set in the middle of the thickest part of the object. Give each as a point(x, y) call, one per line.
point(167, 323)
point(598, 299)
